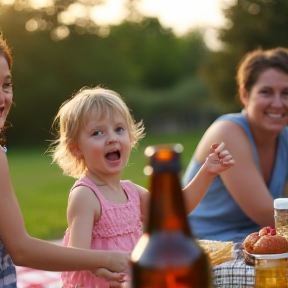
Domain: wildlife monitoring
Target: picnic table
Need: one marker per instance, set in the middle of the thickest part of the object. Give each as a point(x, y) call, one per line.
point(229, 274)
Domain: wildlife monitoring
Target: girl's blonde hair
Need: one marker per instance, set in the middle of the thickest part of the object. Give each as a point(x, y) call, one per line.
point(72, 116)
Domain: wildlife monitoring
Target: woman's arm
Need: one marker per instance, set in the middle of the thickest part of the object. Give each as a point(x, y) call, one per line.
point(31, 252)
point(244, 181)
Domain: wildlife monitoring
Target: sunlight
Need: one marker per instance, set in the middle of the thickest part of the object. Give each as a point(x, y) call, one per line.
point(7, 2)
point(66, 18)
point(31, 25)
point(59, 33)
point(112, 12)
point(78, 10)
point(181, 16)
point(140, 247)
point(190, 13)
point(38, 4)
point(73, 12)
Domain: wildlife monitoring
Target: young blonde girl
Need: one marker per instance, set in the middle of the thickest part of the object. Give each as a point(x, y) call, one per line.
point(16, 245)
point(96, 135)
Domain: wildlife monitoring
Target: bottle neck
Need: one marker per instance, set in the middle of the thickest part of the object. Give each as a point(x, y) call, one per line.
point(167, 210)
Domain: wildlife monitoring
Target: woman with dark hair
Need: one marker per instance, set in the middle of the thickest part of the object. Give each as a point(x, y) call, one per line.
point(240, 200)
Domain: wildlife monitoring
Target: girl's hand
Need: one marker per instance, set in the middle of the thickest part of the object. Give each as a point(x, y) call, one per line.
point(219, 160)
point(124, 284)
point(109, 275)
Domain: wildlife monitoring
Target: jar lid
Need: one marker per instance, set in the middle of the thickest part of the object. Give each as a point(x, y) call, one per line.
point(281, 203)
point(270, 256)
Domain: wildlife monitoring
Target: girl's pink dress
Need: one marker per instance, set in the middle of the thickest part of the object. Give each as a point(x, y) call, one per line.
point(118, 229)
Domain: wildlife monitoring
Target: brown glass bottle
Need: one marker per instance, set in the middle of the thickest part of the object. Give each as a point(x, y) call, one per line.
point(167, 255)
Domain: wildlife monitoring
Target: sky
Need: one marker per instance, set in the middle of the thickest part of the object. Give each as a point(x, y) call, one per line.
point(179, 15)
point(182, 15)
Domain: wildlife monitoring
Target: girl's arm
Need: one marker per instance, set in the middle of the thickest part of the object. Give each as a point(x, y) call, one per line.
point(218, 161)
point(31, 252)
point(144, 202)
point(244, 182)
point(83, 209)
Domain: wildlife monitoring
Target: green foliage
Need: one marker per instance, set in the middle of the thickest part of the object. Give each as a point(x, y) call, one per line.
point(141, 57)
point(159, 109)
point(42, 190)
point(251, 24)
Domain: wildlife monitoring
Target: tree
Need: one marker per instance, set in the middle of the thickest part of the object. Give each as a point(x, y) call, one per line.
point(61, 17)
point(140, 56)
point(251, 24)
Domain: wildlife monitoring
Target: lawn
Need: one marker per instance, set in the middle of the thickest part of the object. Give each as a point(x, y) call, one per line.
point(42, 190)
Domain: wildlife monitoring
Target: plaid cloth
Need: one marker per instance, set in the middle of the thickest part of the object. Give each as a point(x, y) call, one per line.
point(234, 274)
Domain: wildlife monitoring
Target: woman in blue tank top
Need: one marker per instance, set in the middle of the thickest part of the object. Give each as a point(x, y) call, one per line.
point(240, 200)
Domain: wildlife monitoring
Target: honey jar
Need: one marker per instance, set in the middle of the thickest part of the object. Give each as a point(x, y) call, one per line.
point(281, 216)
point(271, 270)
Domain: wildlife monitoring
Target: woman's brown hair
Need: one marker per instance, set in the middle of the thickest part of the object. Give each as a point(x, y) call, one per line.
point(6, 52)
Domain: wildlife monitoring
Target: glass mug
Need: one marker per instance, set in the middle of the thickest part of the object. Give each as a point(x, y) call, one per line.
point(271, 270)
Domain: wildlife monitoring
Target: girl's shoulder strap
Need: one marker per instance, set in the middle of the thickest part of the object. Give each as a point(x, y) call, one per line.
point(130, 189)
point(85, 181)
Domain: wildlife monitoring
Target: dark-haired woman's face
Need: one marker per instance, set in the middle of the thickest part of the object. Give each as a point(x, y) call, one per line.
point(267, 103)
point(6, 93)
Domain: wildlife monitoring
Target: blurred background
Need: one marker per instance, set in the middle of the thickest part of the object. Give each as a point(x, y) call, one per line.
point(173, 62)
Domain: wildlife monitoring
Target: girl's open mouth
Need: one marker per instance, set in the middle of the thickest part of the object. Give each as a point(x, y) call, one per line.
point(113, 156)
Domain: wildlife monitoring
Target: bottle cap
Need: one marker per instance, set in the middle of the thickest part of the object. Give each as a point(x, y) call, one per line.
point(281, 203)
point(163, 158)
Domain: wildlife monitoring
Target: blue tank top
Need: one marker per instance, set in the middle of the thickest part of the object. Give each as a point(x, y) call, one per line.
point(218, 216)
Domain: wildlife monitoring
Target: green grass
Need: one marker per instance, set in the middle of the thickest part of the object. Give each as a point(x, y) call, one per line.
point(42, 190)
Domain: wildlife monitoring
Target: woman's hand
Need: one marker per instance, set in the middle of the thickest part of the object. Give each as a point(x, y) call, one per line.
point(119, 261)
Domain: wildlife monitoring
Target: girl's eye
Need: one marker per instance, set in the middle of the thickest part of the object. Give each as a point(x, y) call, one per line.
point(119, 129)
point(97, 133)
